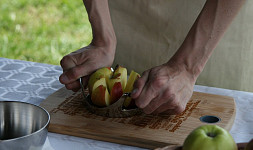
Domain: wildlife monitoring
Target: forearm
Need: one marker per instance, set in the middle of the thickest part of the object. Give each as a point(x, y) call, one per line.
point(100, 20)
point(205, 34)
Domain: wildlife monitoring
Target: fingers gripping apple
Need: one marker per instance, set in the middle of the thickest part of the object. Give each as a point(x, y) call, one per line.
point(106, 87)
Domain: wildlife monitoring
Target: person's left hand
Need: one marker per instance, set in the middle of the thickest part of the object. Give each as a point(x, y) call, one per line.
point(83, 62)
point(164, 89)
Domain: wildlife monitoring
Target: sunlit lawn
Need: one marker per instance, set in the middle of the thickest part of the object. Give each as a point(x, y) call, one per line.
point(42, 30)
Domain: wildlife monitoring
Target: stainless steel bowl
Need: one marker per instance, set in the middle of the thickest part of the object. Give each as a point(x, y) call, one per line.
point(23, 126)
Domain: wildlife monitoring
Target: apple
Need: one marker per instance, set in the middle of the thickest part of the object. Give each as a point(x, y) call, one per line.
point(209, 137)
point(106, 87)
point(129, 88)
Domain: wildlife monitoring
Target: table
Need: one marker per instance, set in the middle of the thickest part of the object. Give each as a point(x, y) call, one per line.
point(33, 82)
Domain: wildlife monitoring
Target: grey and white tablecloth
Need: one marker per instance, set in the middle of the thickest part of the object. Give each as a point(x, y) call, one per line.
point(33, 82)
point(27, 81)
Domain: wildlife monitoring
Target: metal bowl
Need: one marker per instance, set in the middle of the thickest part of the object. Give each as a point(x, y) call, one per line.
point(23, 126)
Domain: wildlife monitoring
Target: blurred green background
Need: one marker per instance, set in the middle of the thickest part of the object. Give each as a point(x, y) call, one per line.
point(42, 30)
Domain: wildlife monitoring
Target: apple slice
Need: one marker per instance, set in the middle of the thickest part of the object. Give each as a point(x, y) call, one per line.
point(100, 95)
point(119, 75)
point(117, 83)
point(116, 92)
point(129, 88)
point(93, 78)
point(100, 73)
point(122, 73)
point(107, 71)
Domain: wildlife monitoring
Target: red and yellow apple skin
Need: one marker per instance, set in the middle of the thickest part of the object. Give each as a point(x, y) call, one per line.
point(209, 137)
point(117, 83)
point(100, 73)
point(119, 75)
point(100, 95)
point(116, 92)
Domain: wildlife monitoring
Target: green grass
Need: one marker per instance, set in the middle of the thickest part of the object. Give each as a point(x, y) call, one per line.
point(42, 30)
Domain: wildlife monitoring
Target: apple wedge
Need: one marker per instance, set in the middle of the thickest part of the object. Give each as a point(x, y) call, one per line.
point(129, 88)
point(100, 95)
point(100, 73)
point(107, 71)
point(117, 83)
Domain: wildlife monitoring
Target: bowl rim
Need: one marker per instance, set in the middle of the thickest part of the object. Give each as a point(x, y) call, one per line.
point(42, 128)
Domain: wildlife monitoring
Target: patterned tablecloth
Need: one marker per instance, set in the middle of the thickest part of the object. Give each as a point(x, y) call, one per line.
point(33, 82)
point(27, 81)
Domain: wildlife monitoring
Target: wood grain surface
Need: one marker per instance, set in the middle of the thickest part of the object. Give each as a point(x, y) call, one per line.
point(69, 116)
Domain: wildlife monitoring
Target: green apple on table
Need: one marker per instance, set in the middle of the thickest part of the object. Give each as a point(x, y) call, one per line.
point(209, 137)
point(106, 86)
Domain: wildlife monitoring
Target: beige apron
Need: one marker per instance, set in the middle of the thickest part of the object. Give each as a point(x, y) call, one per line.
point(150, 31)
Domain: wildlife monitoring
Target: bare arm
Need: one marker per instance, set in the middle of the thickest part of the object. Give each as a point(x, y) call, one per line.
point(100, 53)
point(99, 17)
point(168, 88)
point(206, 32)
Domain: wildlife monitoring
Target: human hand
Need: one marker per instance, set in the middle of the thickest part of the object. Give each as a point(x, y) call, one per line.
point(83, 62)
point(164, 89)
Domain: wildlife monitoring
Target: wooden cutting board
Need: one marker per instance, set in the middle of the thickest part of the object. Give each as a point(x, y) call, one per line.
point(69, 116)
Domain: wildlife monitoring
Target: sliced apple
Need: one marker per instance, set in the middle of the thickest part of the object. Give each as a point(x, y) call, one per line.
point(107, 71)
point(93, 78)
point(121, 72)
point(129, 88)
point(116, 92)
point(117, 83)
point(100, 95)
point(119, 75)
point(100, 73)
point(106, 87)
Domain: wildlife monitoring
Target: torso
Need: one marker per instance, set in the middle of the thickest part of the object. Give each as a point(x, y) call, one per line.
point(149, 32)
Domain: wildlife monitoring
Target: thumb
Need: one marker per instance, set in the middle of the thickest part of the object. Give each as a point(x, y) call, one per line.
point(76, 72)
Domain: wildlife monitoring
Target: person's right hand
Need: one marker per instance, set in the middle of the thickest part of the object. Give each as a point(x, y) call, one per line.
point(83, 62)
